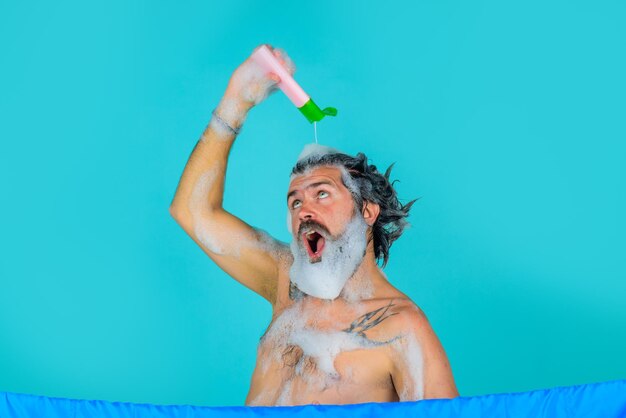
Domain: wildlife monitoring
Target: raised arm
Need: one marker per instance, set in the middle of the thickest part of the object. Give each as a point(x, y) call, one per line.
point(247, 254)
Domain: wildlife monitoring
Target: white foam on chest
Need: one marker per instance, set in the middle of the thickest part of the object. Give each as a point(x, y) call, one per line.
point(324, 346)
point(297, 327)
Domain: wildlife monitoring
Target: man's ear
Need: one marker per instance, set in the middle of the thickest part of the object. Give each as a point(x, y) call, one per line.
point(370, 212)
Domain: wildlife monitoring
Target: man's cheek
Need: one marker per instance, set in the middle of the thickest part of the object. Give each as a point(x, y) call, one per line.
point(336, 224)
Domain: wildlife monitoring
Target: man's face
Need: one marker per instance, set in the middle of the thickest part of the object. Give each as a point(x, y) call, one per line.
point(320, 206)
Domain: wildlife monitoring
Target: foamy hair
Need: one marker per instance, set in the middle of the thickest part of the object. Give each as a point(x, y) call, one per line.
point(374, 187)
point(340, 259)
point(311, 152)
point(355, 288)
point(314, 151)
point(349, 182)
point(308, 151)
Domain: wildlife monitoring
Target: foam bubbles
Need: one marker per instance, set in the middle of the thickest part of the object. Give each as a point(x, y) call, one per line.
point(253, 85)
point(257, 84)
point(277, 249)
point(315, 150)
point(303, 342)
point(285, 395)
point(349, 182)
point(340, 259)
point(290, 320)
point(410, 353)
point(231, 111)
point(288, 62)
point(324, 347)
point(296, 326)
point(202, 224)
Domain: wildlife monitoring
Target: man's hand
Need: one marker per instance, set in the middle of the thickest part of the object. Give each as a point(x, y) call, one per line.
point(249, 85)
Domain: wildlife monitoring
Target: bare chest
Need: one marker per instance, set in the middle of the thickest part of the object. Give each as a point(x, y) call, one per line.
point(304, 359)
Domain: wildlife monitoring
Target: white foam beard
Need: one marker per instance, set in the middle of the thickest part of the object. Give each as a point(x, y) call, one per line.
point(340, 259)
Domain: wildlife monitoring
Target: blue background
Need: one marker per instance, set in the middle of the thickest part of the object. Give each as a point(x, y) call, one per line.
point(506, 118)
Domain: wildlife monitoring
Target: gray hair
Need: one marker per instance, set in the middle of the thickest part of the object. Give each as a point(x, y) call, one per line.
point(367, 184)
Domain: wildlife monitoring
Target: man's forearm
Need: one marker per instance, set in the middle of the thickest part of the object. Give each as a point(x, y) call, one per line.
point(208, 160)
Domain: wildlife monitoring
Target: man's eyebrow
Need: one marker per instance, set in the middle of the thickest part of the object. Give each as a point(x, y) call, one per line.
point(310, 186)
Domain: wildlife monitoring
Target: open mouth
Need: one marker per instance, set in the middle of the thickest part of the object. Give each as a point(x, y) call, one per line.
point(314, 244)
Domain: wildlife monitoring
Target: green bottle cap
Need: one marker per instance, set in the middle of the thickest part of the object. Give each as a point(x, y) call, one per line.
point(314, 114)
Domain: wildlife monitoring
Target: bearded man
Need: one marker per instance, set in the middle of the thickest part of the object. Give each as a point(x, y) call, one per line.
point(340, 332)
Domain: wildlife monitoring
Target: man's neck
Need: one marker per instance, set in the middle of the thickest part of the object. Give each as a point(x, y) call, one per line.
point(367, 282)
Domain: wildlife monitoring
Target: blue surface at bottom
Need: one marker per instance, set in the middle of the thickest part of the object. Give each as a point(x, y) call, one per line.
point(605, 400)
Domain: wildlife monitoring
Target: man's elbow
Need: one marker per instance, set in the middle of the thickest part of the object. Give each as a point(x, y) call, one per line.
point(180, 211)
point(175, 211)
point(182, 217)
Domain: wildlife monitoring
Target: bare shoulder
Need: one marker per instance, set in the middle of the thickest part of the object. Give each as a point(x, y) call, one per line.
point(393, 318)
point(417, 338)
point(412, 322)
point(410, 318)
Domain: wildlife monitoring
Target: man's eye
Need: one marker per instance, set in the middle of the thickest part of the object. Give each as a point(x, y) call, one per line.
point(295, 204)
point(322, 194)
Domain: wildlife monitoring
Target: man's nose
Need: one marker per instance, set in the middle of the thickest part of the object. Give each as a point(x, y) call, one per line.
point(307, 212)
